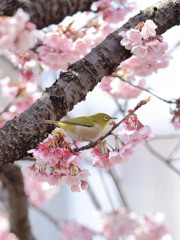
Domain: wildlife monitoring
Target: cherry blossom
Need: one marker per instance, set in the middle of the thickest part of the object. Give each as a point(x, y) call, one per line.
point(147, 47)
point(17, 34)
point(133, 133)
point(58, 164)
point(151, 227)
point(120, 89)
point(117, 223)
point(134, 67)
point(9, 89)
point(123, 223)
point(74, 231)
point(37, 192)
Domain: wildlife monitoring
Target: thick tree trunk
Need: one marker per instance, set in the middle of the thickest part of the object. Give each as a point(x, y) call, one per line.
point(14, 201)
point(45, 12)
point(28, 129)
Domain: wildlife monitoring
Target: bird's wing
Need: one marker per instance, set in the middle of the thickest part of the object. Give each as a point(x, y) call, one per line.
point(81, 121)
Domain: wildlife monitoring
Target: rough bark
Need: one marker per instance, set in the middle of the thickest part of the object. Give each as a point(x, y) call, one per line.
point(45, 12)
point(14, 201)
point(28, 129)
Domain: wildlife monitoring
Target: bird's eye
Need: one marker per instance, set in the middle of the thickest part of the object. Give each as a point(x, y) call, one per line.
point(106, 118)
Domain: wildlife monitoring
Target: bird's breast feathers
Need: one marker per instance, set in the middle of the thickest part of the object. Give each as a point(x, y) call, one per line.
point(83, 133)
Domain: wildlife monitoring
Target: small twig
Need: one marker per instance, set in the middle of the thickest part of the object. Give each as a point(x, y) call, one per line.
point(106, 189)
point(116, 182)
point(120, 108)
point(93, 197)
point(144, 89)
point(47, 215)
point(160, 157)
point(93, 144)
point(175, 149)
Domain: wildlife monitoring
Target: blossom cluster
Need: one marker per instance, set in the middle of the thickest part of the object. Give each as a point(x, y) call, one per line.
point(113, 11)
point(147, 47)
point(55, 48)
point(74, 231)
point(149, 55)
point(37, 192)
point(58, 163)
point(132, 134)
point(117, 88)
point(17, 34)
point(20, 94)
point(122, 223)
point(63, 46)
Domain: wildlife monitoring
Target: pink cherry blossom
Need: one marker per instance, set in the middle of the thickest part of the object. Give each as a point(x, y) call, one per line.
point(134, 67)
point(37, 192)
point(136, 136)
point(75, 178)
point(152, 50)
point(116, 224)
point(151, 227)
point(119, 89)
point(9, 89)
point(75, 231)
point(127, 150)
point(52, 58)
point(17, 34)
point(58, 164)
point(148, 30)
point(101, 161)
point(122, 223)
point(107, 159)
point(131, 38)
point(148, 47)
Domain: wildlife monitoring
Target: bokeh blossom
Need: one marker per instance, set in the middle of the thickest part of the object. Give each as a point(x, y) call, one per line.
point(117, 88)
point(5, 229)
point(74, 231)
point(123, 223)
point(17, 34)
point(37, 192)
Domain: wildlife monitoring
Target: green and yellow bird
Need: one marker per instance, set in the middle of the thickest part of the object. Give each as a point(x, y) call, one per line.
point(85, 128)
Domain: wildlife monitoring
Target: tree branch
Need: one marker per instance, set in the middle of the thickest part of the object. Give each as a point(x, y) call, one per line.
point(25, 131)
point(42, 12)
point(14, 201)
point(143, 89)
point(161, 158)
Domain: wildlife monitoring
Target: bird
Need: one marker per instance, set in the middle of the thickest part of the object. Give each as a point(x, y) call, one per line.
point(84, 128)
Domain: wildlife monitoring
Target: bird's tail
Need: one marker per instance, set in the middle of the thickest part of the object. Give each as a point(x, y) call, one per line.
point(57, 123)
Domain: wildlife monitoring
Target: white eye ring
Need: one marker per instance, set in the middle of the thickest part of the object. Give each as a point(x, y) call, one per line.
point(106, 118)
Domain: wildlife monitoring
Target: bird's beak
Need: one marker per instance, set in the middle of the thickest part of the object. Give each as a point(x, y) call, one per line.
point(113, 118)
